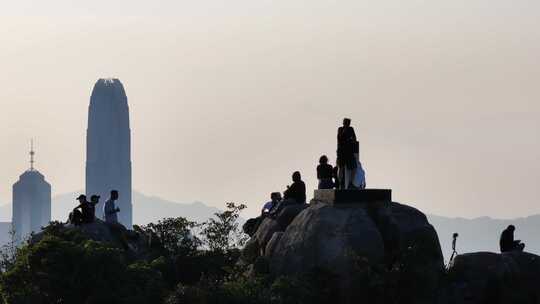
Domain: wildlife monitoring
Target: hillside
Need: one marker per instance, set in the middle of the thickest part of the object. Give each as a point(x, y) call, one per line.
point(478, 234)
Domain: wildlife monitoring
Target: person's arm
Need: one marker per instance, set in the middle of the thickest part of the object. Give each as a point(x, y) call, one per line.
point(353, 135)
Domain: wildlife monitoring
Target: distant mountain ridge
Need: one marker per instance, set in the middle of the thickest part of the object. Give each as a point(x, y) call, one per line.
point(478, 234)
point(146, 208)
point(482, 234)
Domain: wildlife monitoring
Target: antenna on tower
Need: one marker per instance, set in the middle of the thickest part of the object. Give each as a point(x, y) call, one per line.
point(32, 153)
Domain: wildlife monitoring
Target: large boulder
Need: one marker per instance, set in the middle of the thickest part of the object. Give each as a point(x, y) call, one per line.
point(266, 227)
point(326, 236)
point(486, 277)
point(330, 237)
point(351, 242)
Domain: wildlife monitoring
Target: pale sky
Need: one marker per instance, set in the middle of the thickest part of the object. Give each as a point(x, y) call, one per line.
point(228, 98)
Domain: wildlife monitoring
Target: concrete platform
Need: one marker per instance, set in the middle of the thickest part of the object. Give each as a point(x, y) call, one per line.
point(361, 197)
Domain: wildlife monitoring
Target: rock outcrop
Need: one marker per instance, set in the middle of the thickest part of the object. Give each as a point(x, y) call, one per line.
point(486, 277)
point(137, 245)
point(331, 237)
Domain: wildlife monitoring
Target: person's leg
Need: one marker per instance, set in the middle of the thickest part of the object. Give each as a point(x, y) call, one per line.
point(341, 177)
point(351, 181)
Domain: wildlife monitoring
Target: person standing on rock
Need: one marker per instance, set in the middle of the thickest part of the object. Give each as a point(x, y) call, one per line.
point(110, 210)
point(346, 161)
point(507, 242)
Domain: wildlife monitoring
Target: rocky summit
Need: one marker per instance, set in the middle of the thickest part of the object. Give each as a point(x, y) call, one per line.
point(487, 277)
point(333, 237)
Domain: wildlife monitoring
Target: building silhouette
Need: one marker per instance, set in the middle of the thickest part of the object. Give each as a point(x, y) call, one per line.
point(31, 202)
point(108, 147)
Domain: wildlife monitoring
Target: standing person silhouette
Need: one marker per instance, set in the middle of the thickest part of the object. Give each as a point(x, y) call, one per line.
point(346, 161)
point(110, 210)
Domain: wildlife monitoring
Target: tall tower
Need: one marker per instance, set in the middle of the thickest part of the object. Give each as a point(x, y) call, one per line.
point(108, 147)
point(31, 202)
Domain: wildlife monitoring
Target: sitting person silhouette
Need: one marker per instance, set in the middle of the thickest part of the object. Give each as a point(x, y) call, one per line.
point(325, 173)
point(296, 191)
point(295, 194)
point(275, 199)
point(110, 210)
point(76, 217)
point(507, 242)
point(91, 214)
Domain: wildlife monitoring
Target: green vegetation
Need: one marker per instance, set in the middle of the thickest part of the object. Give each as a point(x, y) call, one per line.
point(185, 263)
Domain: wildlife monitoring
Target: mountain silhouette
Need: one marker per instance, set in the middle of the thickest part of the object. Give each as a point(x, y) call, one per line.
point(477, 234)
point(482, 234)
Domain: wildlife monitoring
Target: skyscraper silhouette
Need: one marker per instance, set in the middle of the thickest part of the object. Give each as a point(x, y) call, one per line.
point(108, 147)
point(31, 202)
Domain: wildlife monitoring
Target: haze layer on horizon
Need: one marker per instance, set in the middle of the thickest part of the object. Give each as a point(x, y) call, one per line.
point(227, 98)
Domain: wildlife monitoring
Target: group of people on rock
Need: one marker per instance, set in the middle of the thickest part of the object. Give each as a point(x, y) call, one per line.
point(85, 212)
point(348, 174)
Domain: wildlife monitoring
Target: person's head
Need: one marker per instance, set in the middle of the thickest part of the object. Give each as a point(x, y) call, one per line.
point(511, 228)
point(275, 196)
point(346, 122)
point(81, 198)
point(94, 198)
point(296, 177)
point(323, 160)
point(114, 194)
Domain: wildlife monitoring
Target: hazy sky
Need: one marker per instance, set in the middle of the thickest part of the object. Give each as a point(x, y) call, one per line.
point(227, 98)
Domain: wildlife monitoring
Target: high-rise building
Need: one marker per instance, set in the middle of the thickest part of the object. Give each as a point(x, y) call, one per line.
point(31, 202)
point(108, 147)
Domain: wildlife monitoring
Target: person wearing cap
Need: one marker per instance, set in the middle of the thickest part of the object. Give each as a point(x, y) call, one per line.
point(76, 216)
point(110, 210)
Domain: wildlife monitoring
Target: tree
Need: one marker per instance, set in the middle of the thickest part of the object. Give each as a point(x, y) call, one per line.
point(57, 269)
point(174, 235)
point(222, 233)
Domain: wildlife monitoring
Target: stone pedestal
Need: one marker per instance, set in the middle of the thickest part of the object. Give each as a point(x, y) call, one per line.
point(359, 197)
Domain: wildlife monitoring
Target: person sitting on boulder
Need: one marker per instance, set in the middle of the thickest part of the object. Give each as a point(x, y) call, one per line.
point(76, 217)
point(91, 215)
point(110, 210)
point(296, 191)
point(325, 173)
point(275, 199)
point(507, 242)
